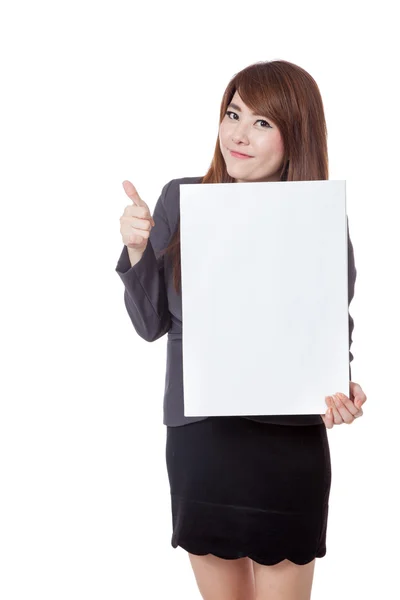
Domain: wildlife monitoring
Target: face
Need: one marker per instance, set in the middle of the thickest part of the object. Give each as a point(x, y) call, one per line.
point(255, 135)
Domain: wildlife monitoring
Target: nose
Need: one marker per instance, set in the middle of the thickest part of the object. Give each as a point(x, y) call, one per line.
point(240, 135)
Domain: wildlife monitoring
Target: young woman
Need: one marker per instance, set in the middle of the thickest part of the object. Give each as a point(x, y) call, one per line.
point(249, 495)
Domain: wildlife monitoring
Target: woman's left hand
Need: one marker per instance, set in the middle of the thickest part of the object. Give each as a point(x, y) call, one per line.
point(343, 409)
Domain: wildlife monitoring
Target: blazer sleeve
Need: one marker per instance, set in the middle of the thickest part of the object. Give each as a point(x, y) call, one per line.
point(352, 274)
point(145, 293)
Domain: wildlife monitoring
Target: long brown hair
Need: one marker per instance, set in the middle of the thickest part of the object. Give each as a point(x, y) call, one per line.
point(290, 97)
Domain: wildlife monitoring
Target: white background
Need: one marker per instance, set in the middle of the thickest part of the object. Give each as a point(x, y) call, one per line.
point(95, 93)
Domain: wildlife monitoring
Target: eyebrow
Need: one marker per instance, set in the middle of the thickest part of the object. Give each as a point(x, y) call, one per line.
point(236, 107)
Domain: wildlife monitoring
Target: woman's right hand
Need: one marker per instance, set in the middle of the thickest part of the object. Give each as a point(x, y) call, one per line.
point(136, 220)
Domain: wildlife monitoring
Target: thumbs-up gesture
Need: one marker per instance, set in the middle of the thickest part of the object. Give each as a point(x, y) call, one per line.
point(136, 220)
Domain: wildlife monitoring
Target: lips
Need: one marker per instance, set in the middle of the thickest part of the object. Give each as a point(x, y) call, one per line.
point(234, 153)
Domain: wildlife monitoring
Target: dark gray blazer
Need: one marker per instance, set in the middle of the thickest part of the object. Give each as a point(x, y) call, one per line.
point(155, 308)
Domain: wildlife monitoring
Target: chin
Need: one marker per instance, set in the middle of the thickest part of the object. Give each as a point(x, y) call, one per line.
point(231, 174)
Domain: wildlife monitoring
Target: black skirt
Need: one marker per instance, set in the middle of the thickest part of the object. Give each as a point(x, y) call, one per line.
point(244, 488)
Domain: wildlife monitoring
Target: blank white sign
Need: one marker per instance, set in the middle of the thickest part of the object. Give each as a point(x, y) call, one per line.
point(264, 297)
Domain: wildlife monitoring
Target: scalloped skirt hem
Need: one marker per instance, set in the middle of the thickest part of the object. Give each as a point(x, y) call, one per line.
point(232, 532)
point(266, 561)
point(242, 488)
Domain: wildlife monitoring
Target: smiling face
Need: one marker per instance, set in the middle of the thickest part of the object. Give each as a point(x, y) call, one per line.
point(256, 135)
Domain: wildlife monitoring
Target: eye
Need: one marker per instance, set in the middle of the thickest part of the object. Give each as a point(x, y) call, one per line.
point(262, 121)
point(230, 112)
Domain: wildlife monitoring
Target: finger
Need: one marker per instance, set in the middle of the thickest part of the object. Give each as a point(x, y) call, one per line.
point(349, 404)
point(139, 223)
point(328, 419)
point(337, 418)
point(134, 230)
point(131, 212)
point(357, 394)
point(131, 191)
point(359, 399)
point(143, 234)
point(134, 236)
point(343, 410)
point(355, 387)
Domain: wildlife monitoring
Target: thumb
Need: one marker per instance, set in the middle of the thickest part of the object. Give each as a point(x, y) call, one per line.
point(131, 191)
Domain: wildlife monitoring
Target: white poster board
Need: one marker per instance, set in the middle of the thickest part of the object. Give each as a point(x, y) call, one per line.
point(264, 297)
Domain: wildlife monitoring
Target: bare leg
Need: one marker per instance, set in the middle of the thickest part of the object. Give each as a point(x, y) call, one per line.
point(220, 579)
point(283, 581)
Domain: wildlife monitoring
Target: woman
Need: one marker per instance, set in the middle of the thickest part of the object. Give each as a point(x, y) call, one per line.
point(249, 495)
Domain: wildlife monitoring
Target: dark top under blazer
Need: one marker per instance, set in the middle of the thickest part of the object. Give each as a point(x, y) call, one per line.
point(155, 308)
